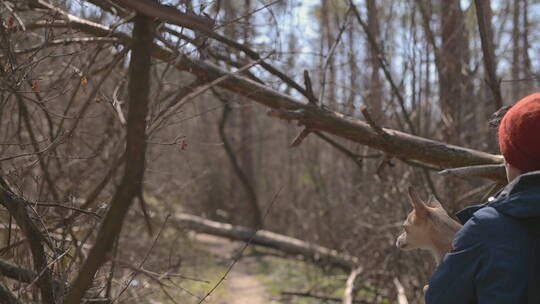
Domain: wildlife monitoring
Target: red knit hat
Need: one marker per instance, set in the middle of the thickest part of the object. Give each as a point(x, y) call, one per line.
point(519, 134)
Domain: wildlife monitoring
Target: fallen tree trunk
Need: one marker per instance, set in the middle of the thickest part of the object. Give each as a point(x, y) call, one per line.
point(265, 238)
point(395, 143)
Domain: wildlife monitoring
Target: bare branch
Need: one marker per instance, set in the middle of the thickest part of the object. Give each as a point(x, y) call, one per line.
point(300, 138)
point(309, 88)
point(67, 41)
point(383, 65)
point(17, 208)
point(16, 273)
point(400, 145)
point(348, 297)
point(130, 186)
point(7, 297)
point(249, 241)
point(253, 202)
point(331, 54)
point(169, 14)
point(483, 16)
point(492, 172)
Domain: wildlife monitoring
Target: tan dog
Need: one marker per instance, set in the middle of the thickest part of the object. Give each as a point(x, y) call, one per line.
point(428, 226)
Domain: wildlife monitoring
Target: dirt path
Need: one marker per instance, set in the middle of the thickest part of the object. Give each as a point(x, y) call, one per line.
point(244, 288)
point(241, 285)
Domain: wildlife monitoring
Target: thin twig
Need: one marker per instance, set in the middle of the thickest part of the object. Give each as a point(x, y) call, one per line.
point(358, 159)
point(52, 145)
point(128, 283)
point(384, 66)
point(233, 21)
point(309, 89)
point(246, 245)
point(66, 41)
point(331, 54)
point(40, 204)
point(45, 269)
point(165, 114)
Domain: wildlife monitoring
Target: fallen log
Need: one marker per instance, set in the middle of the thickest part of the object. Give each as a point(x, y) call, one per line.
point(285, 244)
point(396, 144)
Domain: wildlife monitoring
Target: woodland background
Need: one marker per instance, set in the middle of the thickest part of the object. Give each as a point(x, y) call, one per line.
point(121, 132)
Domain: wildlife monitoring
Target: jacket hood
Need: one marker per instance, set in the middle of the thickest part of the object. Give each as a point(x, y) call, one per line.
point(520, 198)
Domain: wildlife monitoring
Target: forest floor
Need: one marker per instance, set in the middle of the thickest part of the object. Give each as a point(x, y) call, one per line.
point(242, 285)
point(255, 280)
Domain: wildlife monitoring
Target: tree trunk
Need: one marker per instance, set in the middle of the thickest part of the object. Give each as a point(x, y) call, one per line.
point(483, 15)
point(247, 128)
point(527, 66)
point(453, 80)
point(516, 41)
point(374, 96)
point(131, 183)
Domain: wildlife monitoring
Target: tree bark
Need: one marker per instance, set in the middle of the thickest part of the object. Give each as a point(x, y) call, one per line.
point(516, 63)
point(131, 183)
point(453, 80)
point(527, 65)
point(483, 16)
point(252, 204)
point(374, 97)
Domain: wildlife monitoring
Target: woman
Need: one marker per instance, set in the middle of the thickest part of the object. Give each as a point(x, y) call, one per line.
point(496, 256)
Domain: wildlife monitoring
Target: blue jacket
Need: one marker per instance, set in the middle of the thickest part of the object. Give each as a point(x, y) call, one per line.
point(496, 256)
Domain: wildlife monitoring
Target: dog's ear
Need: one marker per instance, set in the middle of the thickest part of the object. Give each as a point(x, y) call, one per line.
point(419, 206)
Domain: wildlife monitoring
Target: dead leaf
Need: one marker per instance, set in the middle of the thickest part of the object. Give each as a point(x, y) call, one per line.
point(35, 85)
point(84, 83)
point(10, 22)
